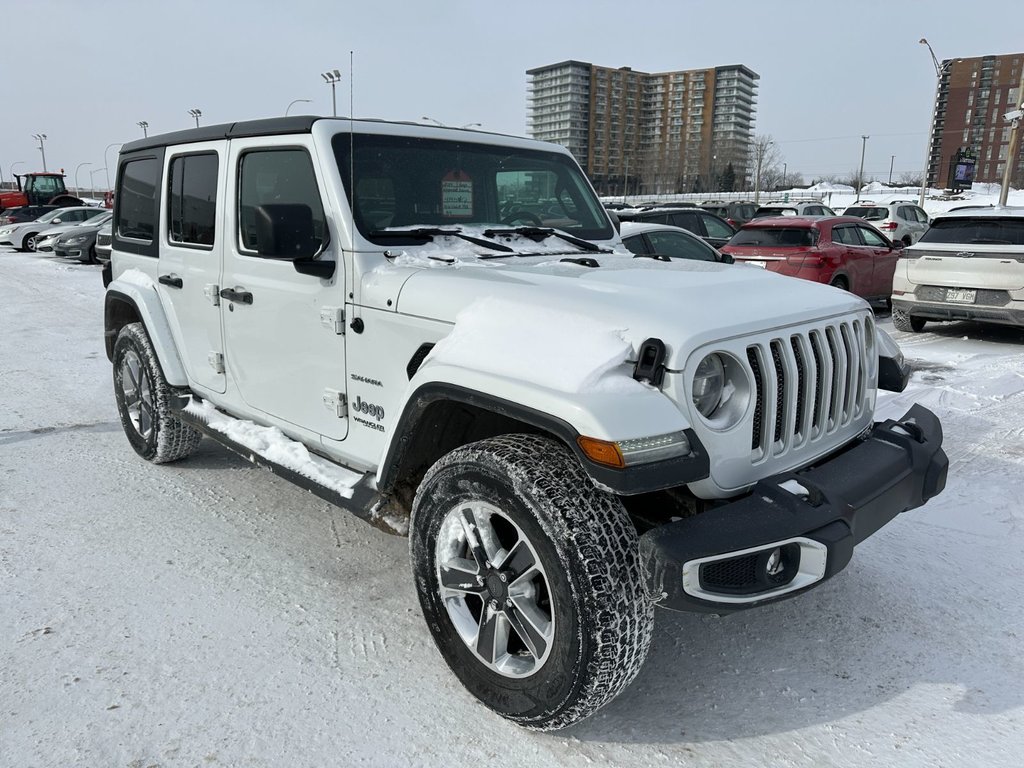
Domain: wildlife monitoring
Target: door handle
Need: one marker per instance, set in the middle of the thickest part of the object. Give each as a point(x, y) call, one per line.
point(172, 280)
point(242, 297)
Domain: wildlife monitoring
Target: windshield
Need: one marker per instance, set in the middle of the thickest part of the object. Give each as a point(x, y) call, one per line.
point(49, 216)
point(785, 237)
point(872, 213)
point(982, 230)
point(402, 181)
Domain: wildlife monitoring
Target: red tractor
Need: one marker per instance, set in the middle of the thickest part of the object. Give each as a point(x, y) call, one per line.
point(38, 189)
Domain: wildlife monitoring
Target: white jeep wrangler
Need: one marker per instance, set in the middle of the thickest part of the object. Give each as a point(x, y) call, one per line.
point(440, 331)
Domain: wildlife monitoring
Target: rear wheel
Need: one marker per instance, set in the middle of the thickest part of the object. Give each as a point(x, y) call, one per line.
point(144, 401)
point(529, 579)
point(904, 321)
point(841, 283)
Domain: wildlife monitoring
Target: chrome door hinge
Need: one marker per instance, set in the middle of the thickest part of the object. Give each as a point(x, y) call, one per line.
point(336, 401)
point(216, 361)
point(212, 292)
point(333, 318)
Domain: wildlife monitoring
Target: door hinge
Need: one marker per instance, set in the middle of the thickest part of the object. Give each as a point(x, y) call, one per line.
point(333, 318)
point(212, 292)
point(216, 361)
point(336, 401)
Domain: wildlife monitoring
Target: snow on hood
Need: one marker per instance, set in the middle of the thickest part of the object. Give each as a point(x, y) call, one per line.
point(562, 350)
point(684, 303)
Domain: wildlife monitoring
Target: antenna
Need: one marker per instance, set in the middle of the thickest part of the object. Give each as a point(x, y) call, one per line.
point(351, 145)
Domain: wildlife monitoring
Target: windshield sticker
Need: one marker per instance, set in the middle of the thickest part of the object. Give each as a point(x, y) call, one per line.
point(457, 195)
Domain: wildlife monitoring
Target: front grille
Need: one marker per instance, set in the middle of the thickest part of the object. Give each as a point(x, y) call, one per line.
point(807, 385)
point(103, 239)
point(984, 296)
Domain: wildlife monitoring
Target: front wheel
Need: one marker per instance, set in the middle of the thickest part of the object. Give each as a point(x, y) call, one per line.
point(144, 401)
point(529, 579)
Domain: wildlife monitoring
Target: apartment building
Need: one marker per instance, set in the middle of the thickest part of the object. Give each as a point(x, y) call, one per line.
point(650, 133)
point(974, 95)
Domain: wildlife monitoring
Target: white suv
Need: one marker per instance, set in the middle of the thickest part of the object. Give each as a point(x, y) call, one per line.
point(901, 221)
point(386, 314)
point(968, 266)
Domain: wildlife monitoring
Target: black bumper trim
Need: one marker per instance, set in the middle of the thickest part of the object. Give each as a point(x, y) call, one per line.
point(949, 312)
point(898, 466)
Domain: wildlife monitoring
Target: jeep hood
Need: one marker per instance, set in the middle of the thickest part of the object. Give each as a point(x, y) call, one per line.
point(684, 303)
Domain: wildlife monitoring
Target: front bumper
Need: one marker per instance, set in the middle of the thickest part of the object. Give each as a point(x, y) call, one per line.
point(803, 525)
point(68, 251)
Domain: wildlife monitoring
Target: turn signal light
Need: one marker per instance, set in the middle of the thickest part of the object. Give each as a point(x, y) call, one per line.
point(601, 451)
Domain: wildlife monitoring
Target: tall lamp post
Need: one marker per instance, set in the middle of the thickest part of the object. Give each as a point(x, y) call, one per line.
point(41, 137)
point(144, 126)
point(332, 78)
point(78, 189)
point(92, 184)
point(892, 162)
point(106, 163)
point(196, 114)
point(939, 71)
point(860, 173)
point(294, 102)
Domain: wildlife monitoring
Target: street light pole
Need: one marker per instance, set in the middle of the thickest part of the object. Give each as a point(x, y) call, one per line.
point(41, 137)
point(1013, 150)
point(294, 102)
point(939, 69)
point(78, 189)
point(860, 173)
point(144, 126)
point(196, 113)
point(785, 174)
point(332, 78)
point(892, 161)
point(106, 163)
point(92, 184)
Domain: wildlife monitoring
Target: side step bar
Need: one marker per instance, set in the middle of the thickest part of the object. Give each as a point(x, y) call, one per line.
point(352, 491)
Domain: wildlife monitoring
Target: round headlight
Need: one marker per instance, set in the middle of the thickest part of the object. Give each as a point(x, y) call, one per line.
point(708, 383)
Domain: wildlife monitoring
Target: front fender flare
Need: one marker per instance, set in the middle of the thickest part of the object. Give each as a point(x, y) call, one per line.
point(565, 415)
point(142, 296)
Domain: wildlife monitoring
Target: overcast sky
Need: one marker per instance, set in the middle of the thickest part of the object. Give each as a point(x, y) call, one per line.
point(84, 73)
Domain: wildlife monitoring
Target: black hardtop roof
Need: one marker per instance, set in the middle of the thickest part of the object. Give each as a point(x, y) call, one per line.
point(270, 126)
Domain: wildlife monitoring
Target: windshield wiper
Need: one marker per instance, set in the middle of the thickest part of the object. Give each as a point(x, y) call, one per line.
point(541, 233)
point(427, 234)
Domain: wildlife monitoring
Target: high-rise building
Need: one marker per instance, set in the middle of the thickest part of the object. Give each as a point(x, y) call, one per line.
point(974, 95)
point(650, 133)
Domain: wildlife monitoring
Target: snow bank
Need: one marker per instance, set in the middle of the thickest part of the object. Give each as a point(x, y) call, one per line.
point(272, 444)
point(560, 350)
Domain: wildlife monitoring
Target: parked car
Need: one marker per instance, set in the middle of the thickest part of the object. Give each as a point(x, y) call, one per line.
point(736, 212)
point(570, 437)
point(898, 220)
point(44, 242)
point(24, 213)
point(715, 230)
point(812, 208)
point(968, 266)
point(842, 251)
point(21, 235)
point(102, 247)
point(80, 242)
point(645, 239)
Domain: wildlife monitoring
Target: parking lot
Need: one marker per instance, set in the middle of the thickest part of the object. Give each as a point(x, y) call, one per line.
point(209, 613)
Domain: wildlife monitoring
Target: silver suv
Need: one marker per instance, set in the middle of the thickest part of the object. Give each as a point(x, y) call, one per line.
point(805, 208)
point(901, 221)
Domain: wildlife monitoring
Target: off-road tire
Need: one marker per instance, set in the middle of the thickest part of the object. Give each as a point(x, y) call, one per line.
point(583, 537)
point(167, 438)
point(904, 321)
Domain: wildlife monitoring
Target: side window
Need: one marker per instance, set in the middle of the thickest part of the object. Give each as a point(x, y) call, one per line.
point(635, 244)
point(192, 199)
point(716, 228)
point(280, 214)
point(678, 246)
point(685, 220)
point(921, 215)
point(906, 213)
point(846, 235)
point(136, 203)
point(872, 238)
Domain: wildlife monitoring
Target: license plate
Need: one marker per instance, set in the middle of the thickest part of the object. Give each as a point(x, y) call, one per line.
point(961, 295)
point(760, 264)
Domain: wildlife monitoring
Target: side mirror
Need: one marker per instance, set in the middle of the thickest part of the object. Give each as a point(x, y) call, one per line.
point(727, 258)
point(897, 245)
point(55, 221)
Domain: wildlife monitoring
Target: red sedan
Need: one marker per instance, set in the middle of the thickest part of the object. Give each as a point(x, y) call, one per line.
point(843, 251)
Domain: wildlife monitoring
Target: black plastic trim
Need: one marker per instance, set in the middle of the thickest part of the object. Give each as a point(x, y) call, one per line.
point(852, 494)
point(642, 478)
point(149, 248)
point(269, 127)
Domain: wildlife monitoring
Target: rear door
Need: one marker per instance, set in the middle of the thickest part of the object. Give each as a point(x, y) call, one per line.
point(856, 258)
point(191, 255)
point(883, 262)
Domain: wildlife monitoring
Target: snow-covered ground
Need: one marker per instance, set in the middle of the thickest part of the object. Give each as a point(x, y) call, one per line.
point(207, 613)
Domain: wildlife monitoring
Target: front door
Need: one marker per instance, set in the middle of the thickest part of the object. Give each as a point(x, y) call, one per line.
point(283, 333)
point(883, 260)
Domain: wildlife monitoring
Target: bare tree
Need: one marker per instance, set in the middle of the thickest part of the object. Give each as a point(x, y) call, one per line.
point(766, 162)
point(910, 179)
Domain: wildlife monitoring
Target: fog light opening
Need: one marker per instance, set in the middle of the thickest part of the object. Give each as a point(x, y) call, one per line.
point(775, 565)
